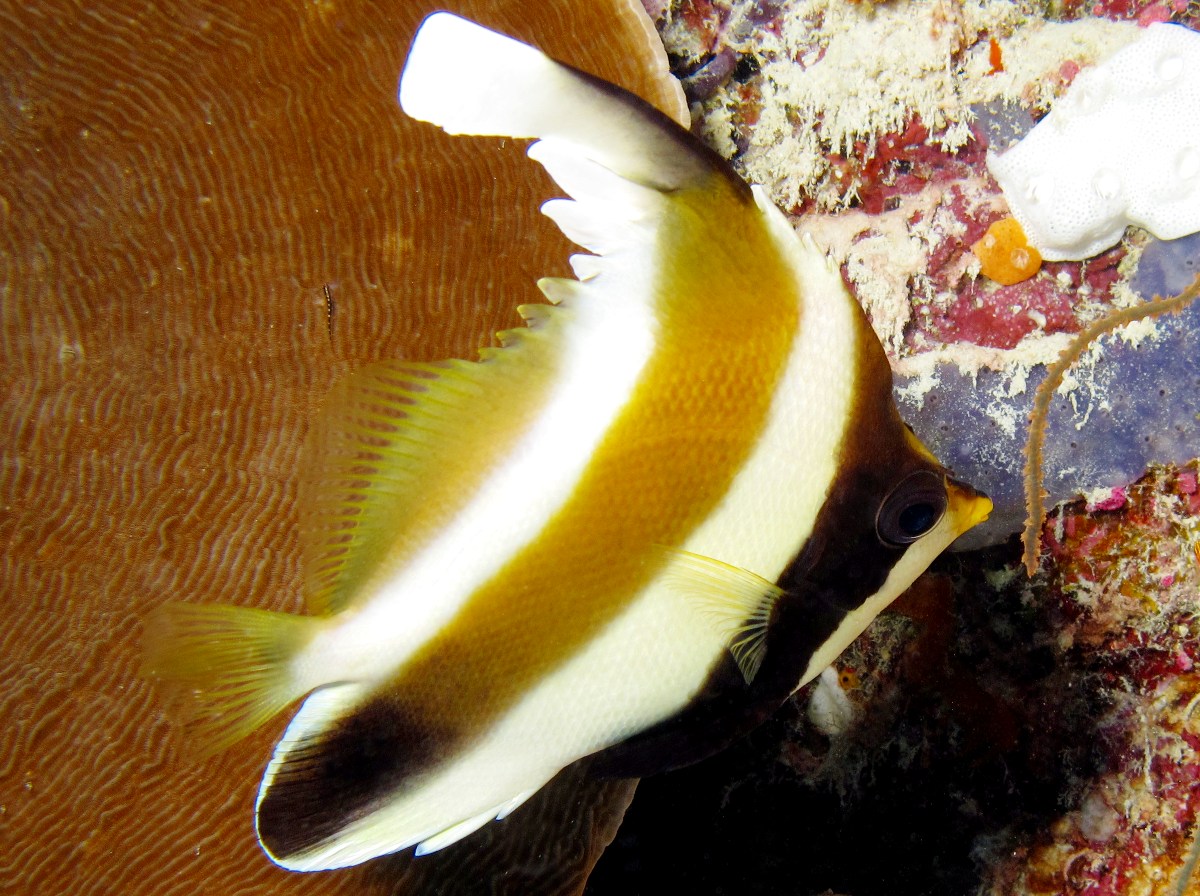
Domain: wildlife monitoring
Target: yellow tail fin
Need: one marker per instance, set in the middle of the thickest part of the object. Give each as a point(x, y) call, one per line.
point(226, 668)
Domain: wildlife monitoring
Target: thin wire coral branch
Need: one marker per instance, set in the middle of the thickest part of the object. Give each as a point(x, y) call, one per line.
point(1035, 495)
point(1189, 866)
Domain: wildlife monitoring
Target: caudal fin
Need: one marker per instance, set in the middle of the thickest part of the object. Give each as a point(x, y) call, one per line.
point(227, 669)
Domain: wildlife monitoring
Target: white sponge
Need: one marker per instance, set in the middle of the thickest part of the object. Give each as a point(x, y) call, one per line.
point(1121, 147)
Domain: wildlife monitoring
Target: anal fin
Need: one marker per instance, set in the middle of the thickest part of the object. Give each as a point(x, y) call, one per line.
point(465, 828)
point(456, 832)
point(546, 847)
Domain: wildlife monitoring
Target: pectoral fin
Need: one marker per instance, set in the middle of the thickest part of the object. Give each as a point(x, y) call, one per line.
point(738, 602)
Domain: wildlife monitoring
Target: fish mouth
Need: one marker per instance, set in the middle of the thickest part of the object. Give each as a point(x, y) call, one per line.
point(967, 506)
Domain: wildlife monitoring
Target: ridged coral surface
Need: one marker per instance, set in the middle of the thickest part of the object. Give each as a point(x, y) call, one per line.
point(207, 212)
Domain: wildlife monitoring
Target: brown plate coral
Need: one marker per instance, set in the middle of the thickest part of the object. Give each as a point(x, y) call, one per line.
point(208, 211)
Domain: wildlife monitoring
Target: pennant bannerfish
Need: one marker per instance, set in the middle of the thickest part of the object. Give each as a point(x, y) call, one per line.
point(610, 546)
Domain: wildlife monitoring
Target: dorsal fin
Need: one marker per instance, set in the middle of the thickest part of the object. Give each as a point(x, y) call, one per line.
point(442, 84)
point(400, 445)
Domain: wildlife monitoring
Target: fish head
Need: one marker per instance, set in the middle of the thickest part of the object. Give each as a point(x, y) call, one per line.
point(890, 512)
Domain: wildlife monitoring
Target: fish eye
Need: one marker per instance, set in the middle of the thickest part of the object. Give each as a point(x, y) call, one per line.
point(911, 509)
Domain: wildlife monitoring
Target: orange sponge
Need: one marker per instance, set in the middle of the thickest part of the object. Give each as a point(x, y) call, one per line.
point(1004, 254)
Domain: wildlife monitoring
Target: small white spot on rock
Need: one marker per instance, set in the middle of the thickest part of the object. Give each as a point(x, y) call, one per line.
point(829, 709)
point(1097, 820)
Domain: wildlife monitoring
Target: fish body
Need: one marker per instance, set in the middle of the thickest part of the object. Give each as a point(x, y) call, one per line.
point(620, 539)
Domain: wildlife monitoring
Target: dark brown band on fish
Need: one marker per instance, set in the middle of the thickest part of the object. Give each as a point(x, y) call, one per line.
point(352, 766)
